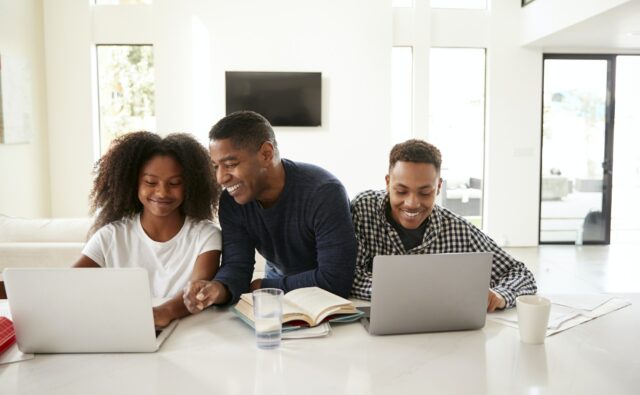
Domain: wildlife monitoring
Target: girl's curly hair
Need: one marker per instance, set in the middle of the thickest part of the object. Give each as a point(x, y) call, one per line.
point(114, 195)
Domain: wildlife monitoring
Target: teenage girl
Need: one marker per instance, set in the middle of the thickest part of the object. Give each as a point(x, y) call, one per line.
point(154, 199)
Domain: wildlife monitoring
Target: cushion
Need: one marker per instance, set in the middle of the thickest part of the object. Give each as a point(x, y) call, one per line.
point(39, 254)
point(13, 229)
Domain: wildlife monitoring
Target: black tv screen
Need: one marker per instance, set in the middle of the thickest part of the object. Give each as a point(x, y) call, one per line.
point(285, 99)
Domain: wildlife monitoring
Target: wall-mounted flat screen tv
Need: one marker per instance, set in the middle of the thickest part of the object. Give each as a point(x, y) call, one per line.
point(284, 98)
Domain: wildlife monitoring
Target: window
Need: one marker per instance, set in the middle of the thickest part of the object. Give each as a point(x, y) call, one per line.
point(460, 4)
point(126, 91)
point(456, 126)
point(401, 93)
point(401, 3)
point(2, 138)
point(122, 2)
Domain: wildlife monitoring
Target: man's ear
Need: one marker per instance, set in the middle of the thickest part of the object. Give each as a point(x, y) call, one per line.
point(266, 153)
point(439, 185)
point(386, 180)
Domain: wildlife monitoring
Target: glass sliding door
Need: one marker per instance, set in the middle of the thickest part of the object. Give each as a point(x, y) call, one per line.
point(577, 145)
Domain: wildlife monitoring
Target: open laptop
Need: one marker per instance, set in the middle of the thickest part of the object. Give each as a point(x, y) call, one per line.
point(428, 293)
point(82, 310)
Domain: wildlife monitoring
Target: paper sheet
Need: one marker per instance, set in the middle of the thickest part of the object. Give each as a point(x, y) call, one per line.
point(563, 317)
point(4, 309)
point(14, 355)
point(581, 302)
point(317, 331)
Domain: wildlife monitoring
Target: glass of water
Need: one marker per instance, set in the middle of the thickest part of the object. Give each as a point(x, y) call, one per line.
point(267, 313)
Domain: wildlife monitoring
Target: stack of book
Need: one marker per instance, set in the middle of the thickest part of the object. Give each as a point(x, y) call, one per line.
point(305, 308)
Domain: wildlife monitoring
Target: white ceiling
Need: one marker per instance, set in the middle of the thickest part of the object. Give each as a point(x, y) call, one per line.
point(615, 29)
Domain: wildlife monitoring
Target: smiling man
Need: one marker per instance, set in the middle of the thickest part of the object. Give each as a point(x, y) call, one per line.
point(296, 215)
point(404, 219)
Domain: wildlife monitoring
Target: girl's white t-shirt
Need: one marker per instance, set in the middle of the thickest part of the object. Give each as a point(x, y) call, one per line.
point(169, 264)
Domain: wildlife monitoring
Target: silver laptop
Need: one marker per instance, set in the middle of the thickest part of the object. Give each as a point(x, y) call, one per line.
point(428, 293)
point(82, 310)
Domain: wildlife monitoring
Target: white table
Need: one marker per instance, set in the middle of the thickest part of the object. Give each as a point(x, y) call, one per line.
point(215, 353)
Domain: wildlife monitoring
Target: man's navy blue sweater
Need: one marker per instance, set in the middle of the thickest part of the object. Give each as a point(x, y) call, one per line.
point(307, 235)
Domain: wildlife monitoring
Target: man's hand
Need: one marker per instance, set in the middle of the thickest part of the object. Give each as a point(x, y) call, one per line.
point(495, 301)
point(255, 284)
point(200, 294)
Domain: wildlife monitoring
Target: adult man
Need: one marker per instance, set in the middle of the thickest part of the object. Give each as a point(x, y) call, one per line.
point(404, 219)
point(295, 214)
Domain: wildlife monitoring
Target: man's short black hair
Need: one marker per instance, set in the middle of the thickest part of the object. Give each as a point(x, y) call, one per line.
point(414, 150)
point(246, 130)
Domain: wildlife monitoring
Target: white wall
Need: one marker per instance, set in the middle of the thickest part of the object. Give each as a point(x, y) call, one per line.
point(512, 126)
point(542, 18)
point(412, 27)
point(24, 179)
point(349, 42)
point(461, 28)
point(512, 167)
point(194, 43)
point(70, 67)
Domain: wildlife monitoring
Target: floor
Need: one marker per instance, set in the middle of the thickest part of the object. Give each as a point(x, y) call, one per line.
point(583, 269)
point(562, 219)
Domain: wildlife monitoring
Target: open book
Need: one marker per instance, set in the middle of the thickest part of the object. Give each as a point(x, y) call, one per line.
point(304, 307)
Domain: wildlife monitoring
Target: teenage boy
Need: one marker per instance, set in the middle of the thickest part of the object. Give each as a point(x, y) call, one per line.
point(404, 219)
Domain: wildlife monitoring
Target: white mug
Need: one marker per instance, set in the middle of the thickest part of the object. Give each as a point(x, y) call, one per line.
point(533, 318)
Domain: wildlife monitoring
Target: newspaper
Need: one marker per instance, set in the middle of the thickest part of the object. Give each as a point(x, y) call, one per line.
point(567, 310)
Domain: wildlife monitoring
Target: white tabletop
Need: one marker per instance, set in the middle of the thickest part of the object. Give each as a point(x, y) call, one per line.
point(215, 353)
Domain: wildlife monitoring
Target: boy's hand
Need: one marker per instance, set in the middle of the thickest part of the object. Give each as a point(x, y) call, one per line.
point(495, 301)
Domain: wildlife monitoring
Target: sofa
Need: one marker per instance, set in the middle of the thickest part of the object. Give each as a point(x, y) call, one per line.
point(555, 187)
point(462, 197)
point(51, 242)
point(41, 242)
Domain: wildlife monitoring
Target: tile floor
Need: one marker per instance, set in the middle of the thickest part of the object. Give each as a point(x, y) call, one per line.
point(583, 269)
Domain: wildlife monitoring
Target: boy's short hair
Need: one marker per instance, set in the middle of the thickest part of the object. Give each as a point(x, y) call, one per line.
point(415, 150)
point(246, 130)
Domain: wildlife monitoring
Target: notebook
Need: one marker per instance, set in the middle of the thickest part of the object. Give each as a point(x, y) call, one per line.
point(82, 310)
point(428, 293)
point(7, 334)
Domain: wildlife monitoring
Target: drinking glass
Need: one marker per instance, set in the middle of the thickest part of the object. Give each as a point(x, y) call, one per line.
point(267, 313)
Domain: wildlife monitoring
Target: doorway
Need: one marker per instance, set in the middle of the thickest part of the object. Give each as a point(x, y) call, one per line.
point(577, 149)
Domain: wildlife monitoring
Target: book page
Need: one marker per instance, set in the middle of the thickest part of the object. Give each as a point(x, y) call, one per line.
point(289, 311)
point(245, 308)
point(317, 303)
